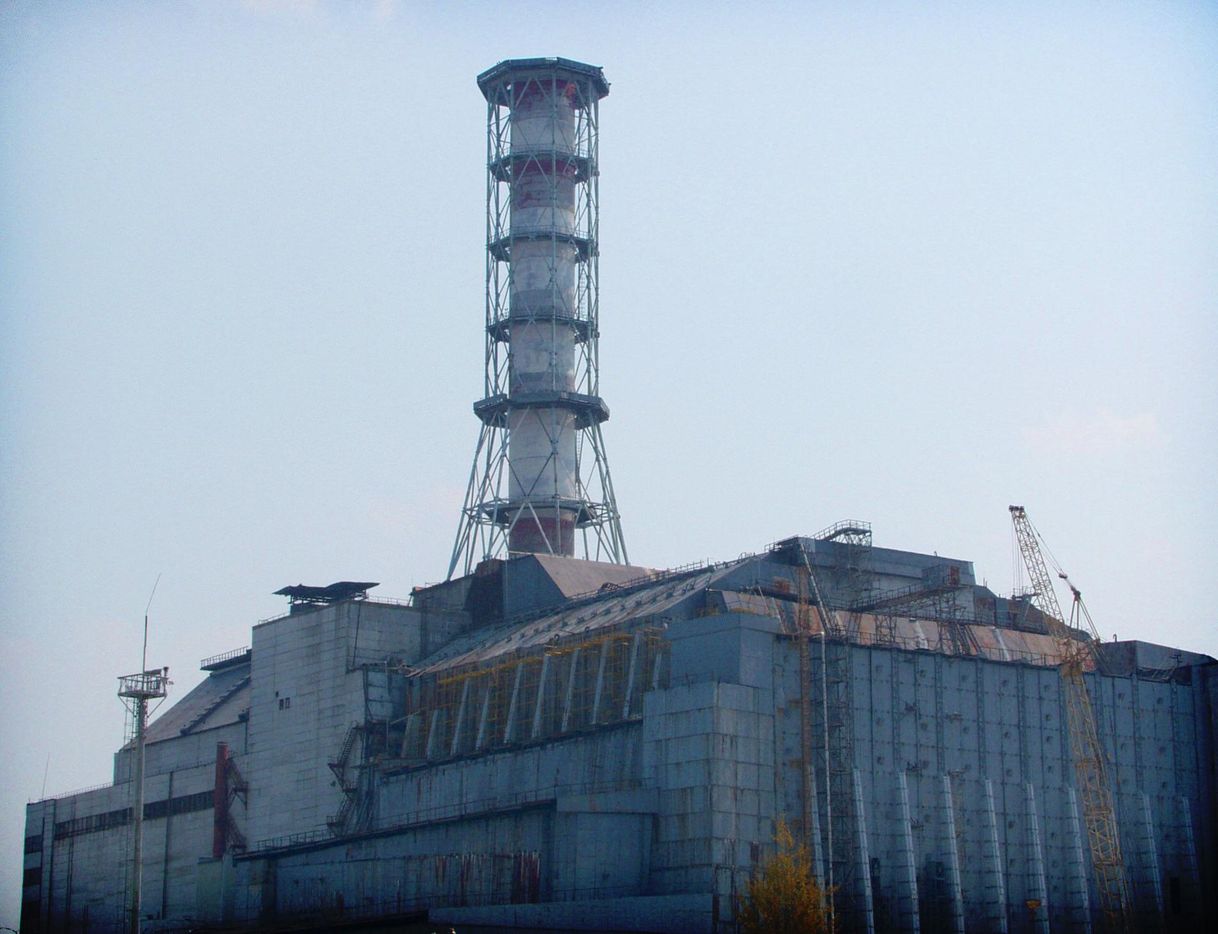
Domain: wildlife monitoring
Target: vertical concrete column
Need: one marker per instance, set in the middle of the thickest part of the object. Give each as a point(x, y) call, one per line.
point(1153, 907)
point(570, 692)
point(510, 727)
point(951, 855)
point(864, 854)
point(817, 844)
point(1037, 888)
point(1078, 895)
point(433, 734)
point(906, 882)
point(606, 648)
point(480, 739)
point(635, 643)
point(656, 664)
point(539, 706)
point(410, 733)
point(1189, 854)
point(460, 721)
point(995, 870)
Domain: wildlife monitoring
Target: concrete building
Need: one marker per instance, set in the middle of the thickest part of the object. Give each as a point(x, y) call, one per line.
point(552, 742)
point(546, 741)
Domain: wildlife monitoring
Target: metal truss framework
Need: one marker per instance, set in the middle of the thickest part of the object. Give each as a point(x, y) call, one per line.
point(540, 479)
point(1091, 765)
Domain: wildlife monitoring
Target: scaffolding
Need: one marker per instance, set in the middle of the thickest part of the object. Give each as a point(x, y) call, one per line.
point(848, 887)
point(838, 592)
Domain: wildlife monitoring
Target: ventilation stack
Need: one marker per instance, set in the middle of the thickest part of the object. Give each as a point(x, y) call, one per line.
point(540, 481)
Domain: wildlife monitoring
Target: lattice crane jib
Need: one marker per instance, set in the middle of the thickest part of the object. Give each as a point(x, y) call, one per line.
point(1086, 749)
point(1044, 597)
point(540, 482)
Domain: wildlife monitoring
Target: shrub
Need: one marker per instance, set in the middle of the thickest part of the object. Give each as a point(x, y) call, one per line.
point(784, 897)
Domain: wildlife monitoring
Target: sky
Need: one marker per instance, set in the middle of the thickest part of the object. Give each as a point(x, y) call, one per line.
point(899, 263)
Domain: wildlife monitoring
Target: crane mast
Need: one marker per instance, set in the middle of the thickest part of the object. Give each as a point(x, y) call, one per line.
point(1090, 765)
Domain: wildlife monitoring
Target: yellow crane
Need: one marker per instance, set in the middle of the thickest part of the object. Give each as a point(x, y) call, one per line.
point(1079, 646)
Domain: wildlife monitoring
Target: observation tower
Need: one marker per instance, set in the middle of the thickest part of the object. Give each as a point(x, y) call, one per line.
point(540, 481)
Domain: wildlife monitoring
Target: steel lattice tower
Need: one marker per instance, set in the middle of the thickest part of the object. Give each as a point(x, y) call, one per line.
point(540, 480)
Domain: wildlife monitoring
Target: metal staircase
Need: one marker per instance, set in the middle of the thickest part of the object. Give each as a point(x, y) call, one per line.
point(347, 784)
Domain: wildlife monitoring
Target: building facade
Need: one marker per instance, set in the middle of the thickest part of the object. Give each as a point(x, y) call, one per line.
point(551, 742)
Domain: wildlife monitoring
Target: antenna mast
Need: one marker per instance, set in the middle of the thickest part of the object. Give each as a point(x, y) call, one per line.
point(136, 691)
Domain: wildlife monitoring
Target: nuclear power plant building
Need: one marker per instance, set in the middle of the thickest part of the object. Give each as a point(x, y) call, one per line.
point(555, 738)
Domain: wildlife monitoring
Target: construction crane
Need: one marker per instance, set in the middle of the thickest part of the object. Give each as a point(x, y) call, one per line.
point(1078, 647)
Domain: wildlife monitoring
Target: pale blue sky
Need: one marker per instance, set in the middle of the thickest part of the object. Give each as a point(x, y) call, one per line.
point(899, 263)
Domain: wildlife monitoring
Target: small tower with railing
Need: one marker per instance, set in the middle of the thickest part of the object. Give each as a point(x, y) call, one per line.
point(136, 691)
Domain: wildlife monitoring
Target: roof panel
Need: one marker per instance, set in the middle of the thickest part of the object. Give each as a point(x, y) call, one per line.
point(582, 617)
point(574, 577)
point(216, 701)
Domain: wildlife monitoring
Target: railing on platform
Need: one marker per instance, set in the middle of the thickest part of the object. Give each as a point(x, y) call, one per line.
point(224, 657)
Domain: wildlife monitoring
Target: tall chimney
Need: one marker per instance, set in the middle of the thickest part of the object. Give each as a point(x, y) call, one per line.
point(540, 481)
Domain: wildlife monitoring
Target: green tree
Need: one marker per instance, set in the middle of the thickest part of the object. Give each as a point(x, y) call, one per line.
point(784, 897)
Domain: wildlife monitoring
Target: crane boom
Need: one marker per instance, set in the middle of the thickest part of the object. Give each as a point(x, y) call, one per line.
point(1090, 765)
point(1044, 598)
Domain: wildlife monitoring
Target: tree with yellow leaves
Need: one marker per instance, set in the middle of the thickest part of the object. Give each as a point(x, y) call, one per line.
point(784, 897)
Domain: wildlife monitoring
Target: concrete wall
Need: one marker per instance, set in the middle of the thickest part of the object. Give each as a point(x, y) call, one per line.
point(680, 803)
point(181, 751)
point(709, 750)
point(307, 694)
point(958, 771)
point(85, 869)
point(967, 800)
point(565, 820)
point(962, 809)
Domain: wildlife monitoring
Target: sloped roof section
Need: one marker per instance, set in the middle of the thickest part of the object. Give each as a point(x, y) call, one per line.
point(218, 701)
point(574, 577)
point(606, 609)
